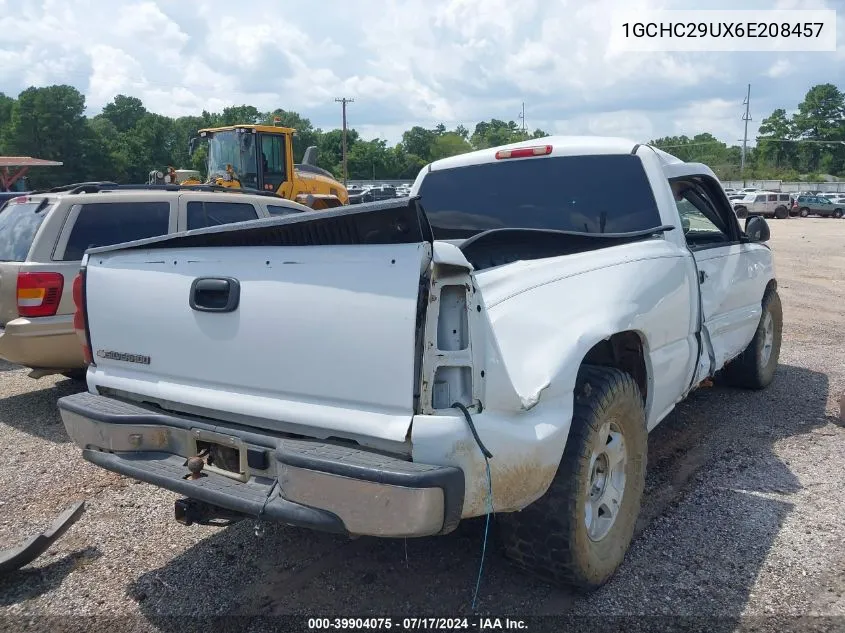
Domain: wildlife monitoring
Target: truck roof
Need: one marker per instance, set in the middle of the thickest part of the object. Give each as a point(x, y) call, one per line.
point(561, 146)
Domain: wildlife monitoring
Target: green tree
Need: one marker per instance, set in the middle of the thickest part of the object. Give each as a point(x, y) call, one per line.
point(448, 144)
point(777, 153)
point(494, 133)
point(418, 141)
point(7, 104)
point(124, 112)
point(50, 123)
point(821, 117)
point(242, 114)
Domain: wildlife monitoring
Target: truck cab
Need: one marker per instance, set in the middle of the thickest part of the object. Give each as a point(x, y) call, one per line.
point(261, 157)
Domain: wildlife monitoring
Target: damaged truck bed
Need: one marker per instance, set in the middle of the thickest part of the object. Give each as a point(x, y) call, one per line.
point(357, 370)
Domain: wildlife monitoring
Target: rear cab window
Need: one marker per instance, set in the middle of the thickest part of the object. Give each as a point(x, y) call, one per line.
point(19, 222)
point(565, 193)
point(202, 214)
point(109, 223)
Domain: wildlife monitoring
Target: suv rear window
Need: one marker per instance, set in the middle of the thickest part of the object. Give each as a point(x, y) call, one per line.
point(275, 209)
point(108, 223)
point(568, 193)
point(203, 214)
point(19, 222)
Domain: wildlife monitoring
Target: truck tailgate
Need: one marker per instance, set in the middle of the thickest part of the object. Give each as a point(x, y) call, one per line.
point(322, 336)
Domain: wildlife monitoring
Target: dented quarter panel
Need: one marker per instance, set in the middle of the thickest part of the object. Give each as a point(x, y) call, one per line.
point(542, 318)
point(545, 321)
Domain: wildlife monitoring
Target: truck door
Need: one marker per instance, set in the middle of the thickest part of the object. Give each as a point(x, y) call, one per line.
point(731, 273)
point(271, 161)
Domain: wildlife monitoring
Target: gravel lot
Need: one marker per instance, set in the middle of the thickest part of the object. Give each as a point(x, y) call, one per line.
point(743, 515)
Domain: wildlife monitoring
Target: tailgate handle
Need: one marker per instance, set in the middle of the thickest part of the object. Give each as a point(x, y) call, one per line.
point(215, 294)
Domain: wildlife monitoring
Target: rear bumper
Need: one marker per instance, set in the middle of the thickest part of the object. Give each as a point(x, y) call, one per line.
point(308, 483)
point(43, 343)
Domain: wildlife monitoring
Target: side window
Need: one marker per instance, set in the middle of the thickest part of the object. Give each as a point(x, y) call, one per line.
point(773, 197)
point(275, 209)
point(204, 214)
point(784, 197)
point(700, 218)
point(271, 148)
point(108, 223)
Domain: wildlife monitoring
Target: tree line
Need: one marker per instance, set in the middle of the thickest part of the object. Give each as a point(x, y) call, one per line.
point(801, 146)
point(125, 141)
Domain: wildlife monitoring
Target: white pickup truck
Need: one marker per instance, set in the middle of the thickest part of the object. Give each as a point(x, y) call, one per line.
point(353, 370)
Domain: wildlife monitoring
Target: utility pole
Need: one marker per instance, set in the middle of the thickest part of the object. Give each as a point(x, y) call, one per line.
point(522, 116)
point(343, 101)
point(745, 117)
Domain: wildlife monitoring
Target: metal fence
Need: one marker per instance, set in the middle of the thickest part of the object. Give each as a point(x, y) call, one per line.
point(786, 187)
point(392, 183)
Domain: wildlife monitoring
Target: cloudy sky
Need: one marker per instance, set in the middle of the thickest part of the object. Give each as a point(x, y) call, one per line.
point(405, 62)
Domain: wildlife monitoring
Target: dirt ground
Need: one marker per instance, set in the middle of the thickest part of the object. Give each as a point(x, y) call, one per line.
point(743, 517)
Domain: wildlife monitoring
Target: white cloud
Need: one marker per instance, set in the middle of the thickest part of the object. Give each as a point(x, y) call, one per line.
point(405, 62)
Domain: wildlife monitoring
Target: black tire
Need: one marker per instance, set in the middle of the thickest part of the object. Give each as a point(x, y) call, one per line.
point(748, 370)
point(837, 213)
point(781, 213)
point(550, 538)
point(803, 212)
point(741, 212)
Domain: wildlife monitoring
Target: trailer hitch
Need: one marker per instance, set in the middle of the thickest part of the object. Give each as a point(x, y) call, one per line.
point(191, 511)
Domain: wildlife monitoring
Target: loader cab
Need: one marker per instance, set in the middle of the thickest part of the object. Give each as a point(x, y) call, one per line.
point(250, 156)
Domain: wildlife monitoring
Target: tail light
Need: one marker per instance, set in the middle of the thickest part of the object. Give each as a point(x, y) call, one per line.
point(80, 320)
point(39, 294)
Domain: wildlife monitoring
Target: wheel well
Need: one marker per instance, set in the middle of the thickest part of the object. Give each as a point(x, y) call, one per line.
point(624, 351)
point(770, 287)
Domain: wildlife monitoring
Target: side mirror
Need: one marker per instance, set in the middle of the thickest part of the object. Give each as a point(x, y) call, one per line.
point(757, 229)
point(192, 146)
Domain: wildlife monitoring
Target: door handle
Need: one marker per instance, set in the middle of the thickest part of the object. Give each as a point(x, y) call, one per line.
point(215, 294)
point(702, 276)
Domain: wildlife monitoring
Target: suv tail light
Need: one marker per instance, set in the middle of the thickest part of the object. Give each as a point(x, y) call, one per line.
point(39, 294)
point(80, 320)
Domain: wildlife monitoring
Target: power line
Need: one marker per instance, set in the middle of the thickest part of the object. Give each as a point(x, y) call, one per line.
point(343, 101)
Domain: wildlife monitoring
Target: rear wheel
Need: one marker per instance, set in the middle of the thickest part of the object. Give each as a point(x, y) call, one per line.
point(804, 212)
point(781, 213)
point(837, 213)
point(741, 212)
point(755, 367)
point(577, 534)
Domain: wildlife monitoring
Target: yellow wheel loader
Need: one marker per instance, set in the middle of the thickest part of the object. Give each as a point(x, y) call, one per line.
point(261, 157)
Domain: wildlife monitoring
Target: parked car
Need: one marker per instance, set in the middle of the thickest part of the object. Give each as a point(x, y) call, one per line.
point(480, 321)
point(766, 203)
point(818, 205)
point(383, 192)
point(44, 235)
